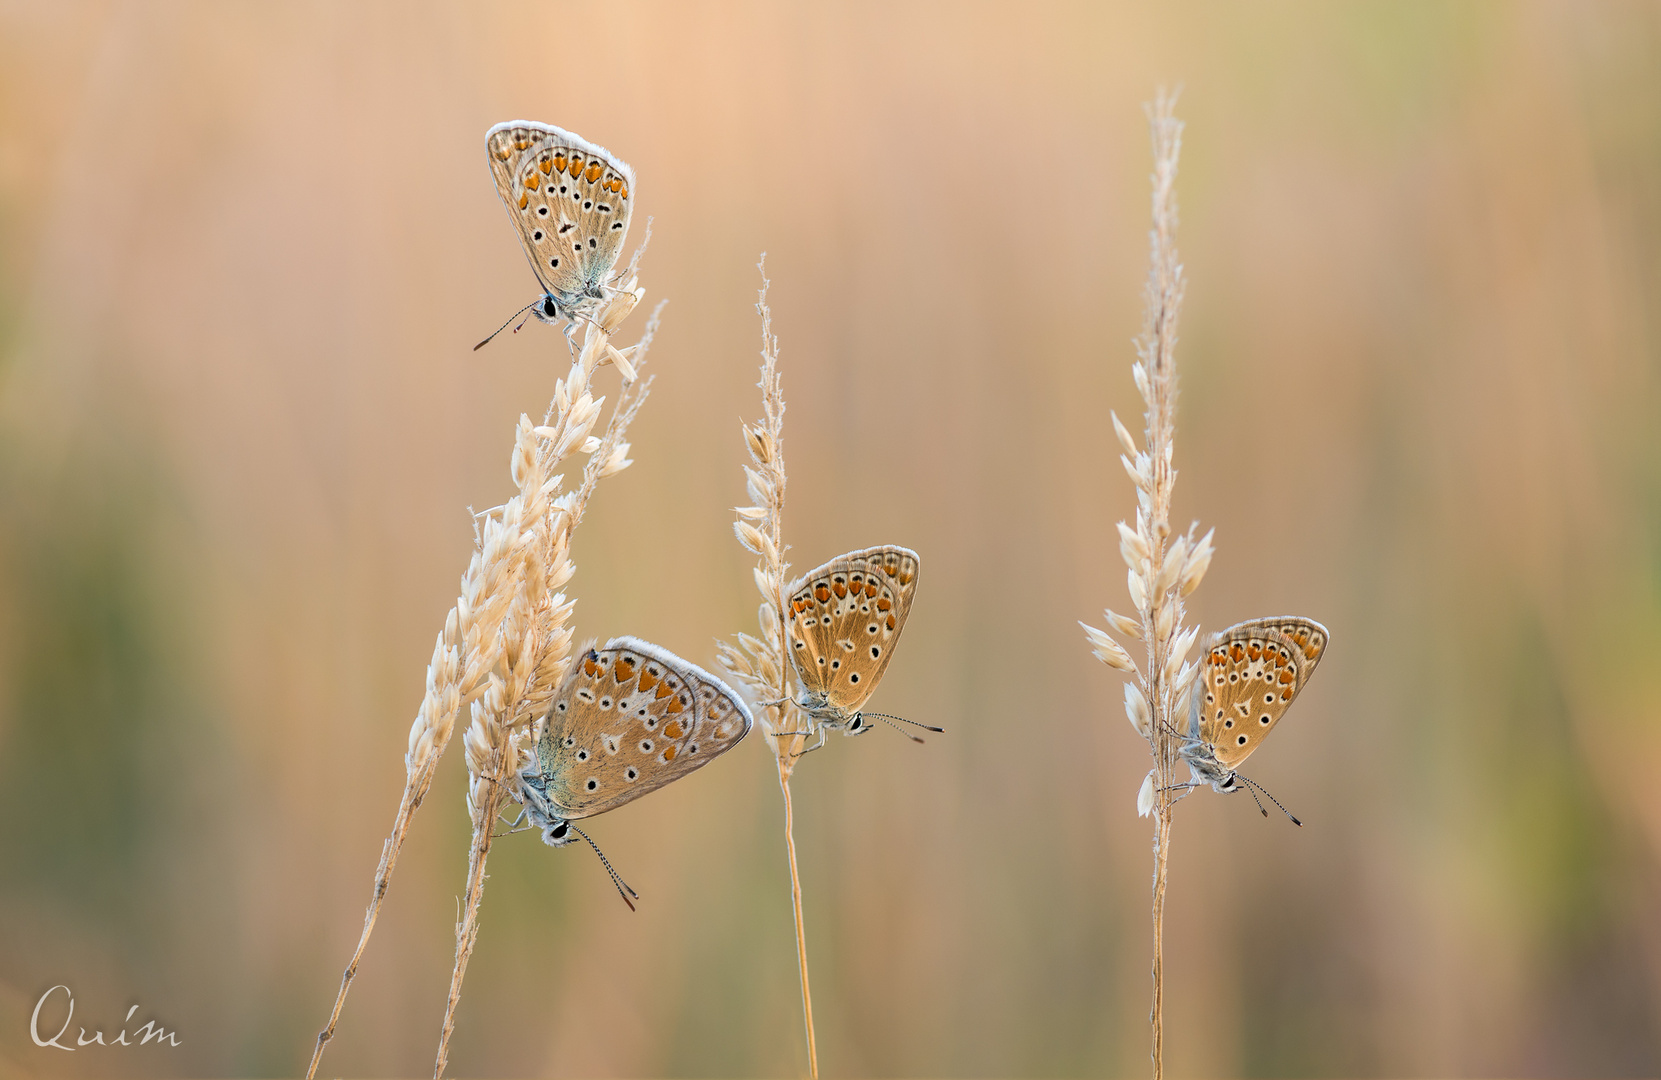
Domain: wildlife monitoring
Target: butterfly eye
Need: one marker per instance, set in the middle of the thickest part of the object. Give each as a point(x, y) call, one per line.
point(855, 726)
point(558, 831)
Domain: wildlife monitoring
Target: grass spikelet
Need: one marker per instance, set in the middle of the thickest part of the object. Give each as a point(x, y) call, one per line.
point(759, 663)
point(1161, 569)
point(506, 644)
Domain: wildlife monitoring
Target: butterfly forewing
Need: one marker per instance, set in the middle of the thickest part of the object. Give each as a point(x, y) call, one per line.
point(569, 199)
point(845, 618)
point(1250, 675)
point(628, 719)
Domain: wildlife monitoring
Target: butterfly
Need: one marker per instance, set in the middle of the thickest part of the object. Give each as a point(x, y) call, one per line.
point(628, 719)
point(843, 620)
point(570, 201)
point(1249, 676)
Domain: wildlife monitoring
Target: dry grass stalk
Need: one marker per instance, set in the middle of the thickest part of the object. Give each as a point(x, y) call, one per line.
point(1162, 569)
point(504, 644)
point(535, 639)
point(759, 663)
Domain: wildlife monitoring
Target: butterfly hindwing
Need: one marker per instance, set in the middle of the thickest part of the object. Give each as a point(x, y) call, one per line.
point(844, 619)
point(1250, 675)
point(569, 199)
point(628, 719)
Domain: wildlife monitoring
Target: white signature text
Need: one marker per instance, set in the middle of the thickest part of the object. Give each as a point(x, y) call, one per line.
point(149, 1030)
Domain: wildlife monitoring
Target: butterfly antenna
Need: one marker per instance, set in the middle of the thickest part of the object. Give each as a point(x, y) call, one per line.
point(623, 889)
point(1254, 787)
point(889, 719)
point(504, 326)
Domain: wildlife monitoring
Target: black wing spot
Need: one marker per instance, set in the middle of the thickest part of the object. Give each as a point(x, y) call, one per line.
point(1242, 740)
point(593, 784)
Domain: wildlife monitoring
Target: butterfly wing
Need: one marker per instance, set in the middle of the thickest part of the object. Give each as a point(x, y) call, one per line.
point(630, 718)
point(845, 618)
point(1250, 675)
point(569, 199)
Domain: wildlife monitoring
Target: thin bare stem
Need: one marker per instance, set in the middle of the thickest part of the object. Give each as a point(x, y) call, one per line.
point(759, 663)
point(801, 929)
point(414, 791)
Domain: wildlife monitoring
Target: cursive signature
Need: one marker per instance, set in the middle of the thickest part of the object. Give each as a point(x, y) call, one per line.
point(150, 1029)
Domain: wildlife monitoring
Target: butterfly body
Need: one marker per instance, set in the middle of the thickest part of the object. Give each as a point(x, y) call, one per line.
point(1248, 678)
point(629, 718)
point(570, 201)
point(843, 620)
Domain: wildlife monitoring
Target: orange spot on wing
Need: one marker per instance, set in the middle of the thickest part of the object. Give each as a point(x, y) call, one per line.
point(594, 171)
point(662, 692)
point(521, 143)
point(524, 201)
point(1286, 695)
point(840, 590)
point(822, 594)
point(647, 680)
point(884, 604)
point(890, 622)
point(622, 671)
point(871, 589)
point(889, 570)
point(1285, 678)
point(674, 707)
point(905, 578)
point(669, 754)
point(673, 729)
point(559, 163)
point(546, 166)
point(1253, 651)
point(576, 166)
point(590, 668)
point(1235, 652)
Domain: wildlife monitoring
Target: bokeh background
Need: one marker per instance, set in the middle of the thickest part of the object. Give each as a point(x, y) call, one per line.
point(245, 251)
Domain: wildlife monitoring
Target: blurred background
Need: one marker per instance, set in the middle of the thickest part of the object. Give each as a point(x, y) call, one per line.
point(245, 251)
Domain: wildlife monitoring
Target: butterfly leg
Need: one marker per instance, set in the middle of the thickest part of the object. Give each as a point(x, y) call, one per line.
point(803, 753)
